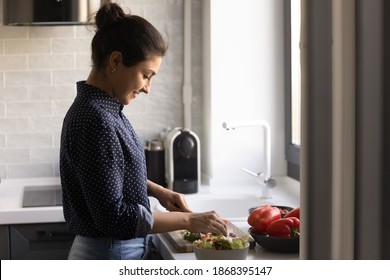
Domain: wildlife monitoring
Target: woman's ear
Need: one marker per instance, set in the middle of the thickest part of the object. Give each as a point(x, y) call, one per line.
point(114, 60)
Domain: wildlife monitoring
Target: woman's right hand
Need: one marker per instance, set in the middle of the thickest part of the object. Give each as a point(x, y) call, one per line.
point(207, 222)
point(194, 222)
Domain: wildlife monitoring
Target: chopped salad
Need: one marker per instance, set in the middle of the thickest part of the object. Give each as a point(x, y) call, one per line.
point(217, 242)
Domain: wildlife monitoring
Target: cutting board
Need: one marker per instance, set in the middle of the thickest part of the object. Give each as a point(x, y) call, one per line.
point(185, 246)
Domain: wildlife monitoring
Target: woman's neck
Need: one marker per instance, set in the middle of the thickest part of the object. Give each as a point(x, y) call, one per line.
point(98, 79)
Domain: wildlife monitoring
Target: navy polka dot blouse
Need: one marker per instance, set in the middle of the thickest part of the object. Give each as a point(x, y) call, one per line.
point(102, 167)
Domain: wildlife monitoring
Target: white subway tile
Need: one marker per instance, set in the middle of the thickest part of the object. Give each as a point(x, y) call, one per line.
point(84, 61)
point(29, 140)
point(166, 13)
point(55, 92)
point(39, 70)
point(134, 7)
point(30, 170)
point(79, 45)
point(2, 110)
point(57, 138)
point(27, 78)
point(85, 31)
point(197, 75)
point(27, 46)
point(136, 106)
point(51, 32)
point(66, 77)
point(13, 62)
point(53, 123)
point(56, 169)
point(51, 61)
point(61, 107)
point(13, 32)
point(29, 109)
point(164, 97)
point(162, 3)
point(14, 156)
point(169, 74)
point(3, 171)
point(2, 141)
point(45, 155)
point(14, 125)
point(13, 94)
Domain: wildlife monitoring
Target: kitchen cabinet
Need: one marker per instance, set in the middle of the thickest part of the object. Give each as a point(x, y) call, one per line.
point(43, 241)
point(4, 243)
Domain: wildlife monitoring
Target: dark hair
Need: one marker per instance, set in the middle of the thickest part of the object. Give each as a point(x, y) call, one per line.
point(133, 36)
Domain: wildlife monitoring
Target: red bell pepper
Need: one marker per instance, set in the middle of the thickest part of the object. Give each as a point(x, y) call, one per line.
point(261, 217)
point(294, 213)
point(285, 228)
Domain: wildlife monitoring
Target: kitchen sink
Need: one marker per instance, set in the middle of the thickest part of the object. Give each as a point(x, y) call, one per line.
point(41, 196)
point(232, 207)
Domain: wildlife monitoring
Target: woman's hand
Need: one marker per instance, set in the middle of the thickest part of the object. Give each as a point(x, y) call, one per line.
point(172, 201)
point(207, 222)
point(194, 222)
point(180, 215)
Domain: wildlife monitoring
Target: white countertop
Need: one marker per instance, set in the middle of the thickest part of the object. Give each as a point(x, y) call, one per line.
point(257, 253)
point(11, 198)
point(12, 212)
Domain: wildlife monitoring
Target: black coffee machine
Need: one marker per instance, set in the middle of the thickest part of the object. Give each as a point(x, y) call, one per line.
point(182, 160)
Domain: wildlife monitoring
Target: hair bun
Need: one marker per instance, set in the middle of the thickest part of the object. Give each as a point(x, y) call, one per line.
point(108, 14)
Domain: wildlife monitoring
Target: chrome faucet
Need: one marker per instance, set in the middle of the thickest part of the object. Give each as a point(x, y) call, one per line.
point(264, 178)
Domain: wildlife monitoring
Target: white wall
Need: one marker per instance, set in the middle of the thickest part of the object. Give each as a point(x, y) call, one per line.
point(39, 67)
point(245, 64)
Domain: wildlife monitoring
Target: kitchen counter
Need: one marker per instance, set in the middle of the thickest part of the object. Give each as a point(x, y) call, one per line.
point(12, 212)
point(11, 198)
point(287, 194)
point(168, 252)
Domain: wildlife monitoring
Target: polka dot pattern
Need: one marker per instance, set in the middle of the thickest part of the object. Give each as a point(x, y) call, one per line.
point(103, 171)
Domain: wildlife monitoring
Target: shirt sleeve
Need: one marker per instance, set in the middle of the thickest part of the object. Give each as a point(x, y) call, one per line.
point(99, 165)
point(145, 221)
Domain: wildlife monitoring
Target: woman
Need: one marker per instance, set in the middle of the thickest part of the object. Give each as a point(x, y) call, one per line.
point(102, 164)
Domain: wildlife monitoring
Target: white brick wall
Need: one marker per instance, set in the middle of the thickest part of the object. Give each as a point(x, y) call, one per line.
point(39, 67)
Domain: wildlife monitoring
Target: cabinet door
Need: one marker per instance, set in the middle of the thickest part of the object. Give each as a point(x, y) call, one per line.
point(4, 242)
point(40, 241)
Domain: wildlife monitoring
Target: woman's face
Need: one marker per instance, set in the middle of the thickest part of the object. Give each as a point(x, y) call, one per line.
point(128, 82)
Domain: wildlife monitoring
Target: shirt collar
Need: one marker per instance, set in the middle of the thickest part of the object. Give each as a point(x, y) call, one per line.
point(85, 90)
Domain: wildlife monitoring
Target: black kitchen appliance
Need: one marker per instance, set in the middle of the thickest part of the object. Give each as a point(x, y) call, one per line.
point(155, 161)
point(182, 160)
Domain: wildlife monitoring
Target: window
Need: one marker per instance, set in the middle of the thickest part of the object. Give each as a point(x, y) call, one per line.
point(293, 86)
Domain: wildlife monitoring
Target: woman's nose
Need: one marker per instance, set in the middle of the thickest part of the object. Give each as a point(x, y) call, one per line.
point(146, 88)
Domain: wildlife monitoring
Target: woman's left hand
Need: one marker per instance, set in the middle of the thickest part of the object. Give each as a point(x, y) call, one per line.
point(172, 201)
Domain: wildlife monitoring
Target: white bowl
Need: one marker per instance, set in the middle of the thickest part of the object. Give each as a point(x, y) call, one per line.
point(210, 254)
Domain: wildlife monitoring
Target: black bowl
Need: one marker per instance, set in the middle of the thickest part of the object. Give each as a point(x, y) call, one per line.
point(276, 244)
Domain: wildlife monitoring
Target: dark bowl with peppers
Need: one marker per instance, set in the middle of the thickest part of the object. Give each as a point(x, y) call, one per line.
point(275, 228)
point(276, 244)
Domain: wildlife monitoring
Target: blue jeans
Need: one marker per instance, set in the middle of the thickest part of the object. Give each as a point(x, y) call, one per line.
point(86, 248)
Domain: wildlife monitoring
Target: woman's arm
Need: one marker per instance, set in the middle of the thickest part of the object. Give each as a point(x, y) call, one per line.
point(181, 216)
point(194, 222)
point(171, 200)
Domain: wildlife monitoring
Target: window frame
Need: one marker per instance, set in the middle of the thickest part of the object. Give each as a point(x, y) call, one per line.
point(292, 151)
